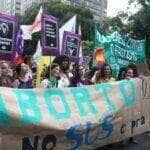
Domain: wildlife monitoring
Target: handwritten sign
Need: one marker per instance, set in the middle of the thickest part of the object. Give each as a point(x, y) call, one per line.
point(71, 45)
point(7, 37)
point(49, 35)
point(74, 118)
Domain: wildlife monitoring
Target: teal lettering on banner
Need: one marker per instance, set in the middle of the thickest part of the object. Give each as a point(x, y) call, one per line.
point(4, 118)
point(131, 98)
point(120, 50)
point(82, 97)
point(104, 88)
point(28, 104)
point(50, 96)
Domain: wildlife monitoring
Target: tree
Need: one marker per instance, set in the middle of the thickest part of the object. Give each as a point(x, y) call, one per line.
point(141, 24)
point(111, 24)
point(63, 12)
point(87, 47)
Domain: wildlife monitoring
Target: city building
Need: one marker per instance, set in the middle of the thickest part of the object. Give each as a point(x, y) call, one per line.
point(26, 4)
point(10, 6)
point(97, 7)
point(16, 7)
point(13, 7)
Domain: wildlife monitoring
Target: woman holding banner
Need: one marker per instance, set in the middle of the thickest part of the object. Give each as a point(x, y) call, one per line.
point(106, 74)
point(94, 75)
point(79, 78)
point(64, 63)
point(6, 75)
point(23, 79)
point(51, 77)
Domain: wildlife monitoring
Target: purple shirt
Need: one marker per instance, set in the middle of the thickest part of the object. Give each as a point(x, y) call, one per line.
point(76, 82)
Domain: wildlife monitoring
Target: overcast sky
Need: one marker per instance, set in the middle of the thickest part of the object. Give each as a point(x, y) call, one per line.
point(116, 5)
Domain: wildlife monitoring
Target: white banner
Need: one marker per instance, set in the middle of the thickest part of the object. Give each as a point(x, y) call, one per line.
point(74, 118)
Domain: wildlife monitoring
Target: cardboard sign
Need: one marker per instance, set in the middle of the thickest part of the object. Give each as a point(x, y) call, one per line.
point(71, 45)
point(49, 35)
point(7, 37)
point(74, 118)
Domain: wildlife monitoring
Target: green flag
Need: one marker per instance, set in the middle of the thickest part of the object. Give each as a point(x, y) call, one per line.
point(120, 50)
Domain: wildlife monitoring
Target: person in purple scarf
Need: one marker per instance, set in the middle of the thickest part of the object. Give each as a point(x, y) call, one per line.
point(79, 78)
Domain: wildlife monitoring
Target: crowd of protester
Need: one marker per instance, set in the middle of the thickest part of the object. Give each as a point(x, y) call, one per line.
point(61, 73)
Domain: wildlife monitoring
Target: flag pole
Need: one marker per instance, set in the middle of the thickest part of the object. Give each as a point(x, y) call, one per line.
point(50, 59)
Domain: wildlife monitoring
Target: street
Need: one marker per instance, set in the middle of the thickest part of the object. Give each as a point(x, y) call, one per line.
point(144, 144)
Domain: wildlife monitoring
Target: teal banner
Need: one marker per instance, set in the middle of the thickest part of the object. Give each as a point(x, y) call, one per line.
point(120, 50)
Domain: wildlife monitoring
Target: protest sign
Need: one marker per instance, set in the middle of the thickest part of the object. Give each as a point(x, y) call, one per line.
point(7, 37)
point(120, 50)
point(71, 45)
point(49, 35)
point(70, 26)
point(74, 118)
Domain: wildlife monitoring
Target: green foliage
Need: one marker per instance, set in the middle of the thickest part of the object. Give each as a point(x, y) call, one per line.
point(64, 12)
point(87, 47)
point(141, 24)
point(111, 24)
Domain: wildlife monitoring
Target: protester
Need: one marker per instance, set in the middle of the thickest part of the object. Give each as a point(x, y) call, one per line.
point(28, 60)
point(134, 68)
point(79, 79)
point(94, 75)
point(6, 75)
point(51, 77)
point(121, 74)
point(63, 62)
point(106, 74)
point(131, 72)
point(23, 80)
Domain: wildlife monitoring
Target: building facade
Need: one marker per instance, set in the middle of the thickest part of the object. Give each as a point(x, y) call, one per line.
point(97, 7)
point(26, 4)
point(16, 7)
point(11, 7)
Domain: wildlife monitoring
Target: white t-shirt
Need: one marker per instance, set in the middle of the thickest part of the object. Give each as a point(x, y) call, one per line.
point(63, 82)
point(45, 84)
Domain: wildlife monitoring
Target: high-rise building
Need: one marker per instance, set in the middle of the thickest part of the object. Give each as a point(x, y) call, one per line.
point(26, 4)
point(11, 7)
point(97, 7)
point(14, 7)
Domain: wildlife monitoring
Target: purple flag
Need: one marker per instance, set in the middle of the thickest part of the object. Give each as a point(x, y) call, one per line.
point(7, 37)
point(71, 45)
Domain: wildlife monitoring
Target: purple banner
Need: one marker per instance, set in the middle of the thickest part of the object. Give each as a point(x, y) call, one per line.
point(8, 29)
point(71, 45)
point(49, 36)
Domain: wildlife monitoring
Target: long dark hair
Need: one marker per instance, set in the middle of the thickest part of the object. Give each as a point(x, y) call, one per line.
point(102, 70)
point(18, 68)
point(134, 68)
point(50, 67)
point(121, 74)
point(92, 72)
point(77, 71)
